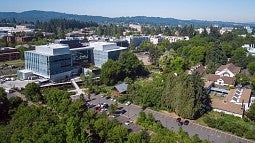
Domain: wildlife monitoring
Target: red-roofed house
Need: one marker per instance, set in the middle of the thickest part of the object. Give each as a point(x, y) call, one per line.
point(229, 70)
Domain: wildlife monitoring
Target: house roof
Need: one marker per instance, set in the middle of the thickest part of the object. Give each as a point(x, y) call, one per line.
point(227, 106)
point(121, 87)
point(227, 80)
point(198, 68)
point(244, 95)
point(231, 67)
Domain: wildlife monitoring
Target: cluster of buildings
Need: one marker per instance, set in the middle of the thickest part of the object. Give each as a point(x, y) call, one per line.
point(230, 99)
point(59, 61)
point(18, 28)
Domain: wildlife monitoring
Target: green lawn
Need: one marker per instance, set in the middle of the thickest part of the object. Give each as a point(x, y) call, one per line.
point(18, 63)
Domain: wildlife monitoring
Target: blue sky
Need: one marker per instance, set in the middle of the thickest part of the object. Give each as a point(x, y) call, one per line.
point(224, 10)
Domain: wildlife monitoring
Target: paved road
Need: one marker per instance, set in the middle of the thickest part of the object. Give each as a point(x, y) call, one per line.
point(207, 133)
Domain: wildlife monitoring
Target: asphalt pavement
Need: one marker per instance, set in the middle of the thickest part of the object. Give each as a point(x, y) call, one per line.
point(213, 135)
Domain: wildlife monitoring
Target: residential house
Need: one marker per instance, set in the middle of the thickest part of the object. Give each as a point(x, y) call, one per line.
point(221, 80)
point(229, 70)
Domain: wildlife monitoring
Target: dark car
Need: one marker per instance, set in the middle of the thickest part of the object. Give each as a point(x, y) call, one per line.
point(186, 122)
point(143, 107)
point(107, 97)
point(180, 123)
point(178, 120)
point(123, 111)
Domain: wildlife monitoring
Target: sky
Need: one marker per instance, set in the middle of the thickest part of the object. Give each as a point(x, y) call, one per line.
point(222, 10)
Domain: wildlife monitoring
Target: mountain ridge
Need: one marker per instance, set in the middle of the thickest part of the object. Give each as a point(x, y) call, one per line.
point(34, 15)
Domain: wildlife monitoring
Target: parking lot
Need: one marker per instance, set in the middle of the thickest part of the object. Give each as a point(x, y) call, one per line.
point(213, 135)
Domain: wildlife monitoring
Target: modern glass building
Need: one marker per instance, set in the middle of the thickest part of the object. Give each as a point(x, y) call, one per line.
point(103, 51)
point(58, 62)
point(51, 61)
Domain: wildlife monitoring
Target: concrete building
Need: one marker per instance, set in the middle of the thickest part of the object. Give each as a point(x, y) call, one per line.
point(8, 53)
point(103, 51)
point(52, 61)
point(155, 39)
point(173, 39)
point(137, 40)
point(226, 29)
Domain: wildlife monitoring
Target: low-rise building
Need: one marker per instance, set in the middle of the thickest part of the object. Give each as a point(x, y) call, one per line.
point(173, 39)
point(119, 89)
point(9, 53)
point(23, 39)
point(235, 103)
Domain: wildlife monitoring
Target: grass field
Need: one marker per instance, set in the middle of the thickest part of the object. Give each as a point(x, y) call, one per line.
point(18, 63)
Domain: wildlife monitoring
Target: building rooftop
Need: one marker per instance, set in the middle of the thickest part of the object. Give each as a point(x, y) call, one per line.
point(106, 46)
point(227, 106)
point(227, 80)
point(51, 49)
point(121, 87)
point(231, 67)
point(239, 95)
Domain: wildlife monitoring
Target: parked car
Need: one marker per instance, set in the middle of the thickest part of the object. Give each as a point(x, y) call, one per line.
point(186, 122)
point(128, 103)
point(178, 120)
point(128, 122)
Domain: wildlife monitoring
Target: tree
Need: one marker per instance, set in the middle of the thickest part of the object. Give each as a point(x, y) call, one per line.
point(32, 92)
point(113, 108)
point(239, 57)
point(216, 55)
point(185, 95)
point(251, 67)
point(58, 100)
point(140, 137)
point(197, 55)
point(242, 79)
point(110, 72)
point(117, 134)
point(14, 101)
point(4, 105)
point(131, 66)
point(251, 112)
point(154, 55)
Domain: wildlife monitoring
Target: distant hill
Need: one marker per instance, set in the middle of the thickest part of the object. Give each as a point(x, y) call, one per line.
point(35, 15)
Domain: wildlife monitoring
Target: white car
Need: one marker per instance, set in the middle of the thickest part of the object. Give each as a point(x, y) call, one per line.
point(128, 122)
point(128, 103)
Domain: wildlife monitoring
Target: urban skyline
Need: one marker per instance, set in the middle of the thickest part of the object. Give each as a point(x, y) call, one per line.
point(217, 10)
